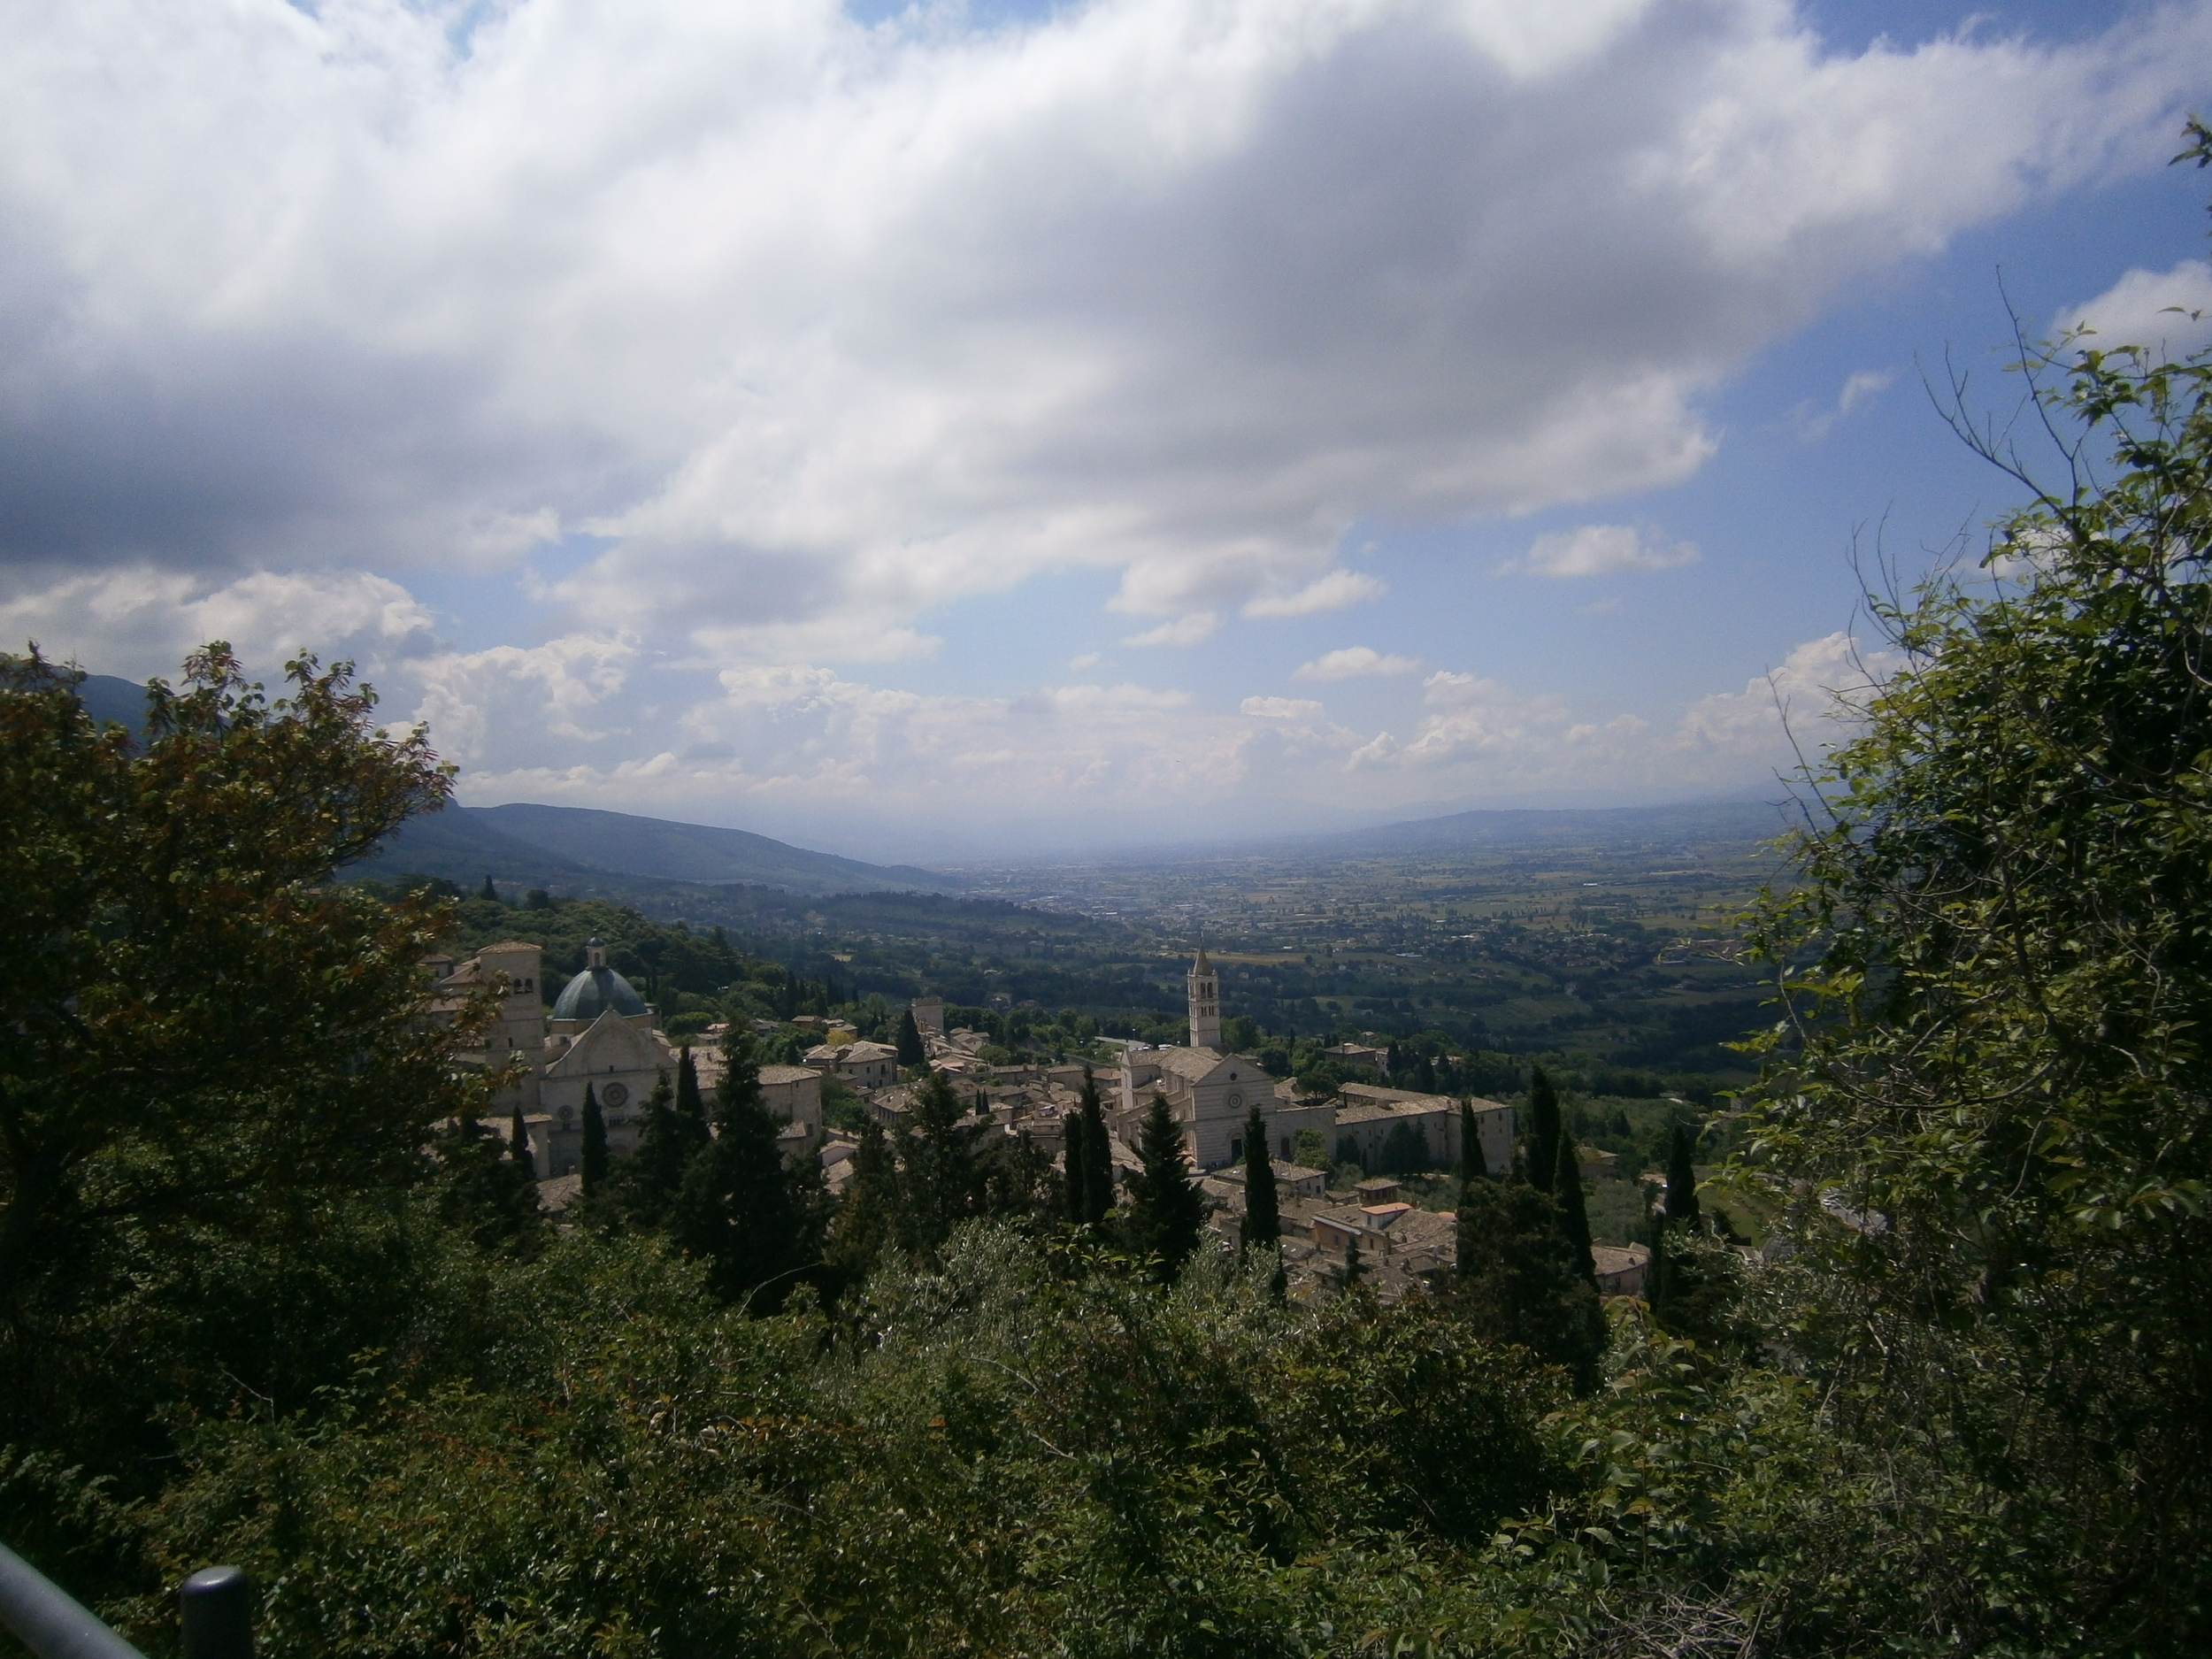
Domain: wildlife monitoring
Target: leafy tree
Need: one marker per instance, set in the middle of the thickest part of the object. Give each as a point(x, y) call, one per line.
point(1519, 1281)
point(1166, 1213)
point(756, 1221)
point(212, 1060)
point(1993, 1071)
point(1263, 1221)
point(911, 1051)
point(593, 1159)
point(1540, 1150)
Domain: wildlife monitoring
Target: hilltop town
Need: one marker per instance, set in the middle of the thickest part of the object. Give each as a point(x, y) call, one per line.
point(599, 1035)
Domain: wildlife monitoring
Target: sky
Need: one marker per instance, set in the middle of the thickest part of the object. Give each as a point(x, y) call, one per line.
point(942, 431)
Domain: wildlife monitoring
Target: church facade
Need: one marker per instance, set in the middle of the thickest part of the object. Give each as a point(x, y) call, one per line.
point(600, 1036)
point(1210, 1093)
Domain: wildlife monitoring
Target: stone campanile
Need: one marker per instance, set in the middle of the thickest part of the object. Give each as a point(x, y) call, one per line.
point(1205, 1004)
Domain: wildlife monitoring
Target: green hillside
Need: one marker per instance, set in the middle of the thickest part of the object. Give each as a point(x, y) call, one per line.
point(580, 850)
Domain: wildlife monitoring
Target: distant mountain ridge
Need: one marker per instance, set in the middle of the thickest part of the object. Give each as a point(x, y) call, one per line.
point(529, 845)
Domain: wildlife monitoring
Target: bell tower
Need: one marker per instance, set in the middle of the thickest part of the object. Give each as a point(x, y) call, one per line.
point(1205, 1004)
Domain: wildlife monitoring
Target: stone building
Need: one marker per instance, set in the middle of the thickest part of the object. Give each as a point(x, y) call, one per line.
point(861, 1066)
point(1211, 1092)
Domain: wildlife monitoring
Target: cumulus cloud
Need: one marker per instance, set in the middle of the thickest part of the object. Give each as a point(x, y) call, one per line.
point(525, 705)
point(1821, 683)
point(1332, 592)
point(1281, 708)
point(2167, 312)
point(1199, 625)
point(823, 325)
point(1354, 661)
point(140, 622)
point(1603, 550)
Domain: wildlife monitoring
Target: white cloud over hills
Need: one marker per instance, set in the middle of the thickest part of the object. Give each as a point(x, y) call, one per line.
point(808, 329)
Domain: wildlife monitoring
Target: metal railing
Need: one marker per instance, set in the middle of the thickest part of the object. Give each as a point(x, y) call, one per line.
point(214, 1605)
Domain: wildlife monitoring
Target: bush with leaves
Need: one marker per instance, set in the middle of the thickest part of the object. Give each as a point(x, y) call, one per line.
point(1990, 1101)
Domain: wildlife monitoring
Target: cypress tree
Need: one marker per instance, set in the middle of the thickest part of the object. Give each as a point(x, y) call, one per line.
point(754, 1220)
point(1471, 1166)
point(1682, 1207)
point(691, 1108)
point(1166, 1210)
point(1353, 1267)
point(1098, 1155)
point(1543, 1150)
point(1013, 1179)
point(1263, 1217)
point(519, 1144)
point(940, 1184)
point(489, 891)
point(1519, 1281)
point(911, 1051)
point(1074, 1191)
point(1574, 1214)
point(868, 1220)
point(654, 1172)
point(484, 1192)
point(595, 1149)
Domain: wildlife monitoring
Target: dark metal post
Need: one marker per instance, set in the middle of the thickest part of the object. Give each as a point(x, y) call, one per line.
point(48, 1620)
point(217, 1609)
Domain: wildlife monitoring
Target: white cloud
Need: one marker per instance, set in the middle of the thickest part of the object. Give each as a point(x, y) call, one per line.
point(1281, 708)
point(1603, 549)
point(141, 622)
point(1863, 387)
point(525, 705)
point(1089, 659)
point(1199, 625)
point(2168, 313)
point(825, 324)
point(1355, 661)
point(1332, 592)
point(1821, 685)
point(1860, 389)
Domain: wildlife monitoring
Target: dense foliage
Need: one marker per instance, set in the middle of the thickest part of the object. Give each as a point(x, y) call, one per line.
point(1994, 1072)
point(212, 1079)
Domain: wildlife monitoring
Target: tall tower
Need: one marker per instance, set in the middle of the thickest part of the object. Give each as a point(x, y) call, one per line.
point(1205, 1004)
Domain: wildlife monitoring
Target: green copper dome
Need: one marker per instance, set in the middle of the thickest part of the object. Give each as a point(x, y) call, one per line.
point(596, 989)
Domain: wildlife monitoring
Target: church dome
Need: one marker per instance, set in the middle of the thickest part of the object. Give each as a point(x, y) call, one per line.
point(596, 989)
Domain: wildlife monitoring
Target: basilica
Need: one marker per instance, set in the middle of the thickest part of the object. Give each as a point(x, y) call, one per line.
point(1211, 1092)
point(601, 1036)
